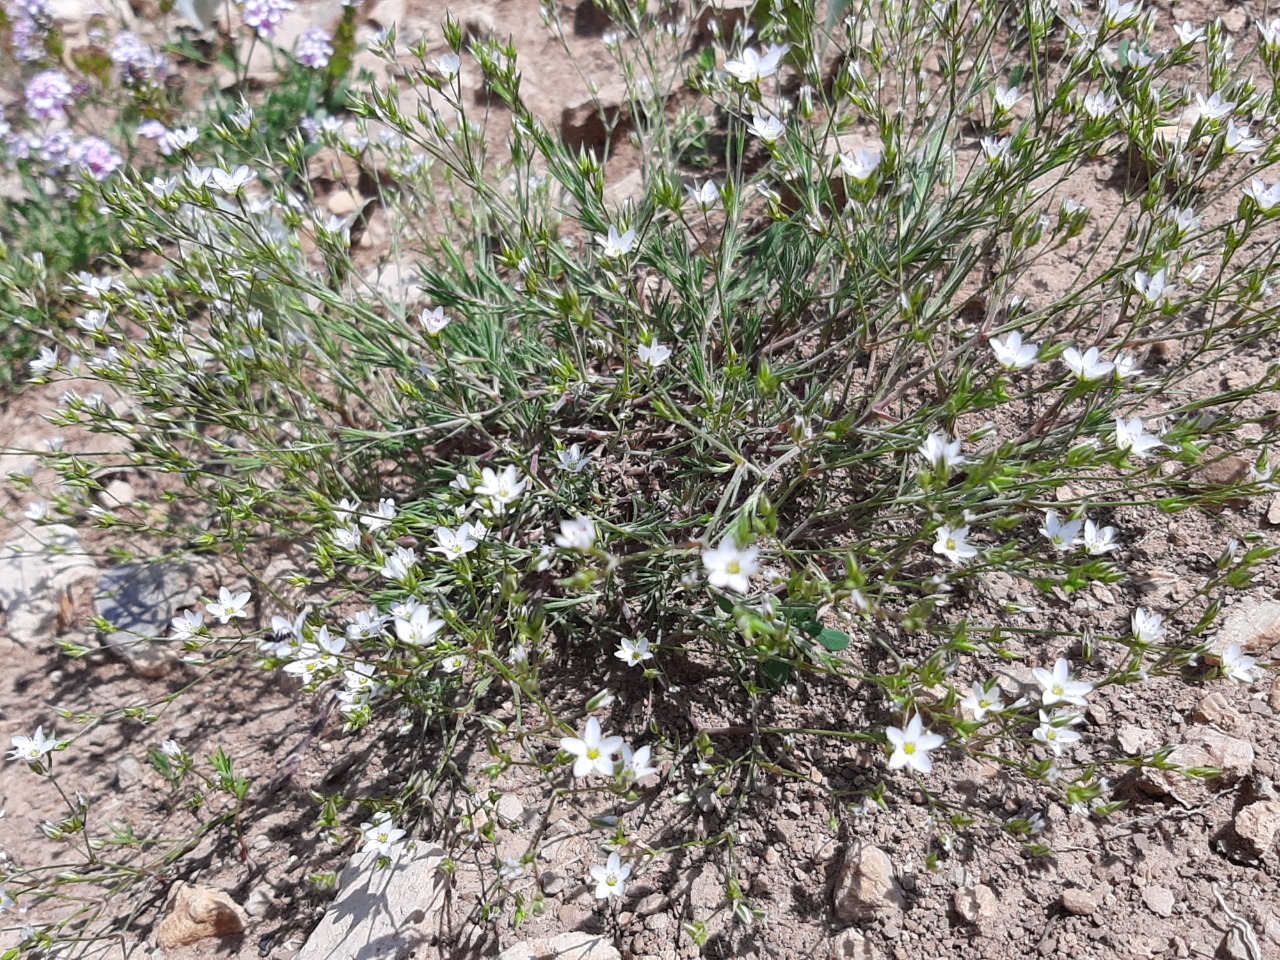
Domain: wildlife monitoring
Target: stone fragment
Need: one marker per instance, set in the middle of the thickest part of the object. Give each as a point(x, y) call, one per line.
point(1079, 903)
point(118, 493)
point(382, 913)
point(1217, 710)
point(1225, 471)
point(1257, 826)
point(259, 903)
point(852, 945)
point(509, 809)
point(1234, 757)
point(139, 600)
point(1159, 900)
point(866, 886)
point(40, 570)
point(1273, 695)
point(198, 913)
point(591, 123)
point(979, 906)
point(128, 772)
point(1273, 511)
point(1254, 624)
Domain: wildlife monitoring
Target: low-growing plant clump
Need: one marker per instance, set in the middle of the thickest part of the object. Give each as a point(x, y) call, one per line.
point(603, 493)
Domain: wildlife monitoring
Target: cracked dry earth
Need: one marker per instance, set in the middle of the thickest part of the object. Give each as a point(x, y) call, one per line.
point(1187, 870)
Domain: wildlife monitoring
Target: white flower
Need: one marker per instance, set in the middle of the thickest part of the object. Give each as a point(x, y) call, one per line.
point(1237, 666)
point(187, 624)
point(983, 700)
point(911, 746)
point(573, 460)
point(633, 653)
point(1240, 139)
point(1152, 286)
point(1086, 366)
point(1006, 99)
point(1058, 686)
point(231, 182)
point(1063, 536)
point(1184, 218)
point(730, 567)
point(1265, 197)
point(768, 128)
point(1117, 12)
point(859, 166)
point(380, 835)
point(1188, 33)
point(94, 321)
point(753, 67)
point(1126, 367)
point(617, 245)
point(940, 450)
point(1148, 627)
point(1132, 438)
point(1270, 33)
point(611, 879)
point(433, 321)
point(1054, 732)
point(46, 360)
point(416, 623)
point(228, 606)
point(501, 488)
point(653, 355)
point(346, 537)
point(454, 544)
point(636, 766)
point(951, 544)
point(380, 516)
point(1099, 540)
point(999, 151)
point(577, 534)
point(513, 869)
point(448, 65)
point(705, 197)
point(1012, 354)
point(1214, 107)
point(399, 566)
point(453, 663)
point(592, 752)
point(1100, 105)
point(171, 749)
point(37, 510)
point(34, 748)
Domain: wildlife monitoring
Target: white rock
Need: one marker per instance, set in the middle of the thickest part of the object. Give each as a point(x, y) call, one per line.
point(1257, 826)
point(866, 885)
point(382, 914)
point(565, 946)
point(1254, 624)
point(37, 569)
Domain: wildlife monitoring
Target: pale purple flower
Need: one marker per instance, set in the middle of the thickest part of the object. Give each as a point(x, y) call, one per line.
point(96, 157)
point(47, 95)
point(265, 16)
point(314, 49)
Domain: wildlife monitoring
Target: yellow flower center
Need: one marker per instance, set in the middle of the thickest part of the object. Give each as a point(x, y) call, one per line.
point(908, 748)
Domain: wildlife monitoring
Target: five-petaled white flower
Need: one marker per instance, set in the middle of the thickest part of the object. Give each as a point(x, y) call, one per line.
point(611, 879)
point(416, 623)
point(1240, 139)
point(573, 460)
point(617, 245)
point(997, 151)
point(34, 748)
point(1063, 536)
point(1012, 354)
point(1087, 365)
point(1059, 687)
point(449, 64)
point(1126, 366)
point(859, 165)
point(1265, 197)
point(228, 606)
point(1148, 627)
point(1213, 107)
point(577, 534)
point(768, 128)
point(950, 542)
point(1188, 33)
point(501, 488)
point(399, 566)
point(731, 567)
point(941, 451)
point(593, 753)
point(653, 355)
point(1006, 99)
point(380, 516)
point(1055, 731)
point(633, 652)
point(453, 662)
point(983, 700)
point(1132, 438)
point(233, 181)
point(1099, 540)
point(187, 624)
point(433, 321)
point(1237, 666)
point(455, 544)
point(636, 766)
point(911, 746)
point(1100, 104)
point(754, 66)
point(1154, 286)
point(380, 835)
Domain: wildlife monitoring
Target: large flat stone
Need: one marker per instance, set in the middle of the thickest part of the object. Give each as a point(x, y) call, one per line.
point(139, 600)
point(381, 914)
point(38, 568)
